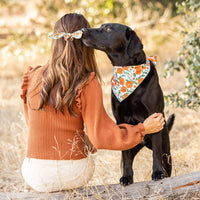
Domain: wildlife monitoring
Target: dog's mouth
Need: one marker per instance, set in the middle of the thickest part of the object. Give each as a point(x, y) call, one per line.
point(94, 45)
point(99, 47)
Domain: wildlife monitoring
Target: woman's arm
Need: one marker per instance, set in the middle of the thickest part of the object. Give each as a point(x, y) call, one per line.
point(101, 129)
point(24, 88)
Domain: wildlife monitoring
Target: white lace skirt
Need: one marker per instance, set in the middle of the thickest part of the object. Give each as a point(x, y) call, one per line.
point(55, 175)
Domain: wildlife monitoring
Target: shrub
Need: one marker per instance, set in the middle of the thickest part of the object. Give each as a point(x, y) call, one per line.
point(188, 58)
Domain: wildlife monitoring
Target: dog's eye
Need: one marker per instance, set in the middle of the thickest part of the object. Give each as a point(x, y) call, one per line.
point(108, 29)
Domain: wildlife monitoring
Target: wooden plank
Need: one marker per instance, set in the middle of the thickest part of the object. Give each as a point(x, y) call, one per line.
point(179, 187)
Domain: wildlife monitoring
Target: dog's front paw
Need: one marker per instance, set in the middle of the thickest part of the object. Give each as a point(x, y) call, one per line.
point(126, 180)
point(157, 175)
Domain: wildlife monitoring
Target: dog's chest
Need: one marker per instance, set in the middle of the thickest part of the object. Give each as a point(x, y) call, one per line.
point(131, 110)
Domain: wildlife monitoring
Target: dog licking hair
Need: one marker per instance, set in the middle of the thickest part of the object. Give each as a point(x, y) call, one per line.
point(135, 96)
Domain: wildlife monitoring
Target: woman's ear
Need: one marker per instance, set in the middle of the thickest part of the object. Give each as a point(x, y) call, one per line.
point(134, 44)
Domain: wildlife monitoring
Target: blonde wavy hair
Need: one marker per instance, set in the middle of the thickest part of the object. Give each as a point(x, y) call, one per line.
point(69, 67)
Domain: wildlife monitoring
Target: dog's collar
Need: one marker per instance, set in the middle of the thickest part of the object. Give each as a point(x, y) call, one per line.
point(127, 78)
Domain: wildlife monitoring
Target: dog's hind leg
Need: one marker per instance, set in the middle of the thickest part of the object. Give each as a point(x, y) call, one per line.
point(127, 162)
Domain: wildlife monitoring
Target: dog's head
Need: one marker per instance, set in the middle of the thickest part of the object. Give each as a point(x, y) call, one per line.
point(119, 42)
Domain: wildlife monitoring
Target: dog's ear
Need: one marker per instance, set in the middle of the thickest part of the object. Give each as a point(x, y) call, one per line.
point(135, 46)
point(128, 33)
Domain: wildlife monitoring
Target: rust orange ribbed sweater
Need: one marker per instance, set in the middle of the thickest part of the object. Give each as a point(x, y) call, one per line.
point(53, 135)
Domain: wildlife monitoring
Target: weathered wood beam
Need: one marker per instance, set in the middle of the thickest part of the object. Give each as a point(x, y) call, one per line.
point(179, 187)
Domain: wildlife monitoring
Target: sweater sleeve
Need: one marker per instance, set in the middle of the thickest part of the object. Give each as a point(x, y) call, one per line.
point(101, 129)
point(23, 95)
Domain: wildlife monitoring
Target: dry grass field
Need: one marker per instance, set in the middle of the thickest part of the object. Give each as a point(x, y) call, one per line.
point(185, 134)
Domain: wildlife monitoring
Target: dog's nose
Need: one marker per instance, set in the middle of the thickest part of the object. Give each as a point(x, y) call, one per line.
point(85, 31)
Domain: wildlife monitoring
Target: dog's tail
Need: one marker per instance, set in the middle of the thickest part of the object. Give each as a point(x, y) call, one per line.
point(170, 121)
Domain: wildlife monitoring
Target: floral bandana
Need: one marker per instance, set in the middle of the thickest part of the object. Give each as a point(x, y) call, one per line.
point(76, 35)
point(127, 78)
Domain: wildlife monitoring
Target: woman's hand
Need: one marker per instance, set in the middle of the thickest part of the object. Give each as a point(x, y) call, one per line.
point(154, 123)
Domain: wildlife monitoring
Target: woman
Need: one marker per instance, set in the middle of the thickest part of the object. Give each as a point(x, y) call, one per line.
point(59, 98)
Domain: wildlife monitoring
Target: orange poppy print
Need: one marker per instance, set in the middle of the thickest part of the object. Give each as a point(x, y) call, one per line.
point(126, 68)
point(153, 59)
point(113, 84)
point(121, 81)
point(139, 71)
point(119, 71)
point(125, 96)
point(127, 78)
point(76, 35)
point(123, 89)
point(137, 67)
point(129, 84)
point(140, 80)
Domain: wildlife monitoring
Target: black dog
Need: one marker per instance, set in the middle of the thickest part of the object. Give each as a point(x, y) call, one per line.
point(124, 48)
